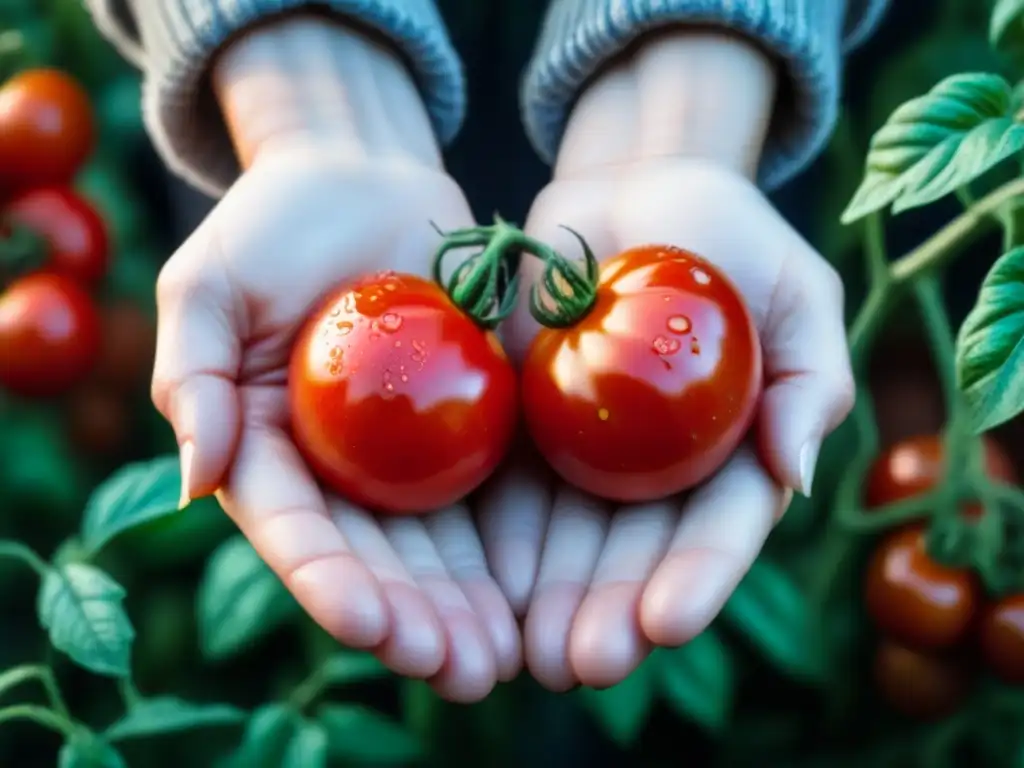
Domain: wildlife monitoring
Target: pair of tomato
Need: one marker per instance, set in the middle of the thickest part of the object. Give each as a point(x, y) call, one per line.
point(928, 612)
point(401, 402)
point(50, 327)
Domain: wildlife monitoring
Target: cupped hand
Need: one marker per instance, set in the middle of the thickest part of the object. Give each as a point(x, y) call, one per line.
point(602, 584)
point(416, 591)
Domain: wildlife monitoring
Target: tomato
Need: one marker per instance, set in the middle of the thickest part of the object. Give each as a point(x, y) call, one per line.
point(75, 234)
point(98, 422)
point(49, 335)
point(915, 600)
point(399, 401)
point(1001, 637)
point(128, 348)
point(46, 128)
point(920, 685)
point(650, 391)
point(915, 466)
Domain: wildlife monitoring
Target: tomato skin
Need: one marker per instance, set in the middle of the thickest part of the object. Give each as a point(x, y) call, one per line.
point(47, 128)
point(399, 401)
point(75, 233)
point(1001, 638)
point(915, 600)
point(920, 685)
point(651, 392)
point(915, 466)
point(49, 335)
point(128, 348)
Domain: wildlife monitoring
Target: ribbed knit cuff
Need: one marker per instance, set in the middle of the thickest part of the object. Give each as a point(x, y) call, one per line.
point(173, 42)
point(579, 36)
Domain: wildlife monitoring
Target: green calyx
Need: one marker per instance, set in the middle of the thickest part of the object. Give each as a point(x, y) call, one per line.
point(486, 285)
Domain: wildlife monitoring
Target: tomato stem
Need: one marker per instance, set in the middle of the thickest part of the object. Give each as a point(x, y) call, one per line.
point(486, 285)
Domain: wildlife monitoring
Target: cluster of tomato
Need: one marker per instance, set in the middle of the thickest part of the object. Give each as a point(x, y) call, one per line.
point(936, 621)
point(56, 337)
point(639, 385)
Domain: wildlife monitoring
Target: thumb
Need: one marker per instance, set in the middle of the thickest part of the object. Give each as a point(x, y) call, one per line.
point(809, 384)
point(198, 354)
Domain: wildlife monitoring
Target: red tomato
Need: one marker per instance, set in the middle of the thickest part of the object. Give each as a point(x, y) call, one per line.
point(915, 600)
point(74, 232)
point(915, 466)
point(1001, 636)
point(651, 391)
point(49, 335)
point(399, 401)
point(46, 128)
point(920, 685)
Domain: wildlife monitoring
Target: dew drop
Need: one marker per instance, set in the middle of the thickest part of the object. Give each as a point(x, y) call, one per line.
point(602, 414)
point(335, 312)
point(389, 387)
point(695, 346)
point(335, 352)
point(701, 276)
point(344, 328)
point(664, 346)
point(398, 344)
point(404, 377)
point(679, 324)
point(390, 322)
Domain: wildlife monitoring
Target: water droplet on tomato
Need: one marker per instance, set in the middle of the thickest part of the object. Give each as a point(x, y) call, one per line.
point(390, 322)
point(700, 276)
point(335, 352)
point(398, 344)
point(664, 346)
point(389, 387)
point(602, 414)
point(695, 346)
point(349, 302)
point(335, 312)
point(344, 327)
point(679, 324)
point(404, 377)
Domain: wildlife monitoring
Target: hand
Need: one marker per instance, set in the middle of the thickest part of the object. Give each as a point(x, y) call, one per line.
point(601, 584)
point(312, 208)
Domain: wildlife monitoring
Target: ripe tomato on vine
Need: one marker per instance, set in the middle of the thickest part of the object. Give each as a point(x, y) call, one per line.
point(915, 600)
point(49, 335)
point(401, 400)
point(1001, 638)
point(920, 685)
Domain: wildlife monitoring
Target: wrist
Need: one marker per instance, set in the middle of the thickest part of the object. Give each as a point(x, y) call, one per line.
point(682, 93)
point(305, 78)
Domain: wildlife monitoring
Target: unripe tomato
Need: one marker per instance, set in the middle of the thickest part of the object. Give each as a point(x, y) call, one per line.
point(915, 466)
point(75, 234)
point(920, 685)
point(653, 388)
point(49, 335)
point(915, 600)
point(399, 401)
point(46, 129)
point(1001, 637)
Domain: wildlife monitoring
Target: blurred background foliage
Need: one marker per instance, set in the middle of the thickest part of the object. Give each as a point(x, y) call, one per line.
point(212, 625)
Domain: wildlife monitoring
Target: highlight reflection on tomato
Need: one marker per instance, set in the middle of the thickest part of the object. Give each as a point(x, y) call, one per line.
point(1001, 637)
point(915, 600)
point(399, 401)
point(651, 390)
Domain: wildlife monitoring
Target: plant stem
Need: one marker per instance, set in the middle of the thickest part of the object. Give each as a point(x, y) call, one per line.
point(874, 246)
point(305, 693)
point(41, 716)
point(23, 674)
point(15, 550)
point(129, 693)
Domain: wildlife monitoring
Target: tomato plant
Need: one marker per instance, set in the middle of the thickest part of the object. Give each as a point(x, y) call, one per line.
point(400, 401)
point(73, 231)
point(49, 335)
point(915, 600)
point(1001, 638)
point(920, 685)
point(46, 128)
point(914, 466)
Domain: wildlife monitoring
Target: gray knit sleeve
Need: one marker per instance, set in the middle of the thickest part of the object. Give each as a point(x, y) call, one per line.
point(809, 37)
point(173, 41)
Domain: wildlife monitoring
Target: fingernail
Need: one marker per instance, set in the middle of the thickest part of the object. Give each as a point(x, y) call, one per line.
point(808, 460)
point(188, 451)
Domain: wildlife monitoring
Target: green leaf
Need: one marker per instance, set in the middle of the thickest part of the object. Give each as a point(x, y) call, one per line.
point(167, 714)
point(267, 738)
point(935, 143)
point(132, 496)
point(81, 607)
point(240, 600)
point(351, 667)
point(366, 737)
point(89, 752)
point(622, 710)
point(308, 747)
point(1006, 25)
point(990, 345)
point(776, 615)
point(698, 680)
